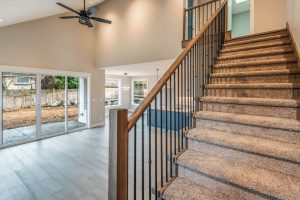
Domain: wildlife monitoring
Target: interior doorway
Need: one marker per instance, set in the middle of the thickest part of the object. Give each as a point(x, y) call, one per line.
point(240, 18)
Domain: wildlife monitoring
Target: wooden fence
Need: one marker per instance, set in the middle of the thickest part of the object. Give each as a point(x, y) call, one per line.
point(16, 102)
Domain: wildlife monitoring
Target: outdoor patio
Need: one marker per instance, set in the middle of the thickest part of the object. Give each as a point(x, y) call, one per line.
point(29, 132)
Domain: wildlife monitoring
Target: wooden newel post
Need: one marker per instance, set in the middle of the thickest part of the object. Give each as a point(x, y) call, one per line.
point(118, 155)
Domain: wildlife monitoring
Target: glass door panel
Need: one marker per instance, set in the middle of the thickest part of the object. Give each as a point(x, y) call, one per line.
point(77, 103)
point(52, 104)
point(19, 110)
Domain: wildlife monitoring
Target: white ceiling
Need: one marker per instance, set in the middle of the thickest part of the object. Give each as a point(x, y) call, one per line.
point(142, 69)
point(16, 11)
point(240, 7)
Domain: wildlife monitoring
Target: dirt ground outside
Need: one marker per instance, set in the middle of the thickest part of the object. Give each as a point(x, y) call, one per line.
point(26, 117)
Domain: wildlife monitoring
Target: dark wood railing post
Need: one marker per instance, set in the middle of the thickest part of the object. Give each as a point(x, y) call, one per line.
point(118, 155)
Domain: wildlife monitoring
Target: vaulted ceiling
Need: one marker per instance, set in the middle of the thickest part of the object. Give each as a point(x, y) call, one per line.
point(16, 11)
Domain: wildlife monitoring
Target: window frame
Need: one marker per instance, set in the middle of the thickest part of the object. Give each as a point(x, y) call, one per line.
point(119, 89)
point(132, 89)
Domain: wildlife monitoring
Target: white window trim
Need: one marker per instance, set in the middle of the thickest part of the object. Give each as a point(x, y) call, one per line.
point(120, 92)
point(132, 89)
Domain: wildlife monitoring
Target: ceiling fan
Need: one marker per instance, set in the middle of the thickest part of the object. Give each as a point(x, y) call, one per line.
point(84, 16)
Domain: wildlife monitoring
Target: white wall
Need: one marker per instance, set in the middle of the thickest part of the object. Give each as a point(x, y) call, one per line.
point(268, 15)
point(241, 24)
point(293, 18)
point(141, 31)
point(51, 43)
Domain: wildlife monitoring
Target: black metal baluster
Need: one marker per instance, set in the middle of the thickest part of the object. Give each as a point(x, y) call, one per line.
point(202, 64)
point(134, 163)
point(175, 113)
point(184, 90)
point(161, 143)
point(193, 82)
point(195, 22)
point(203, 20)
point(166, 136)
point(155, 146)
point(187, 90)
point(181, 103)
point(206, 13)
point(178, 107)
point(171, 127)
point(150, 160)
point(143, 157)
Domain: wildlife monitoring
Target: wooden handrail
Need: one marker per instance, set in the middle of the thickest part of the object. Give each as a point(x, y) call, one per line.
point(200, 5)
point(161, 83)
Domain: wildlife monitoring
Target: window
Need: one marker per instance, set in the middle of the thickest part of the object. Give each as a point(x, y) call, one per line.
point(139, 91)
point(112, 92)
point(22, 80)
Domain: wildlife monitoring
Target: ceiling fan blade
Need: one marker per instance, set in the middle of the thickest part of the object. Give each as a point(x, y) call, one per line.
point(69, 17)
point(101, 20)
point(92, 10)
point(66, 7)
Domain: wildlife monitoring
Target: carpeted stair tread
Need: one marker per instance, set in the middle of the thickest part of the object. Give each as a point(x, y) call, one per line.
point(257, 35)
point(253, 101)
point(255, 86)
point(256, 73)
point(289, 55)
point(183, 189)
point(256, 46)
point(258, 62)
point(252, 120)
point(256, 54)
point(259, 39)
point(269, 148)
point(264, 182)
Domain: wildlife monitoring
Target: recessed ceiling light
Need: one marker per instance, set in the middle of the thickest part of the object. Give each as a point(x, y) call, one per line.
point(240, 1)
point(1, 20)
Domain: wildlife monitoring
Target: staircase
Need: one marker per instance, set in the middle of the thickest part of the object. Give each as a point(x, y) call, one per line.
point(246, 144)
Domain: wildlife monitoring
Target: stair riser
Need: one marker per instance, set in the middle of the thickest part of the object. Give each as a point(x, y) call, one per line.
point(251, 59)
point(214, 185)
point(285, 78)
point(256, 40)
point(269, 111)
point(254, 68)
point(256, 93)
point(256, 36)
point(256, 131)
point(247, 158)
point(286, 39)
point(252, 47)
point(268, 49)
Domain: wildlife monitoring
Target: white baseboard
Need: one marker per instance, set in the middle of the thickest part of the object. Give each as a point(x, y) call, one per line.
point(94, 125)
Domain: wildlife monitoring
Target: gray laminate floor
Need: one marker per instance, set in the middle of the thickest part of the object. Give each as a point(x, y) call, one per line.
point(75, 166)
point(72, 167)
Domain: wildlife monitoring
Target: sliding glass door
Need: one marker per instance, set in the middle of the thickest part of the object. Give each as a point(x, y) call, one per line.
point(35, 106)
point(19, 107)
point(77, 106)
point(53, 96)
